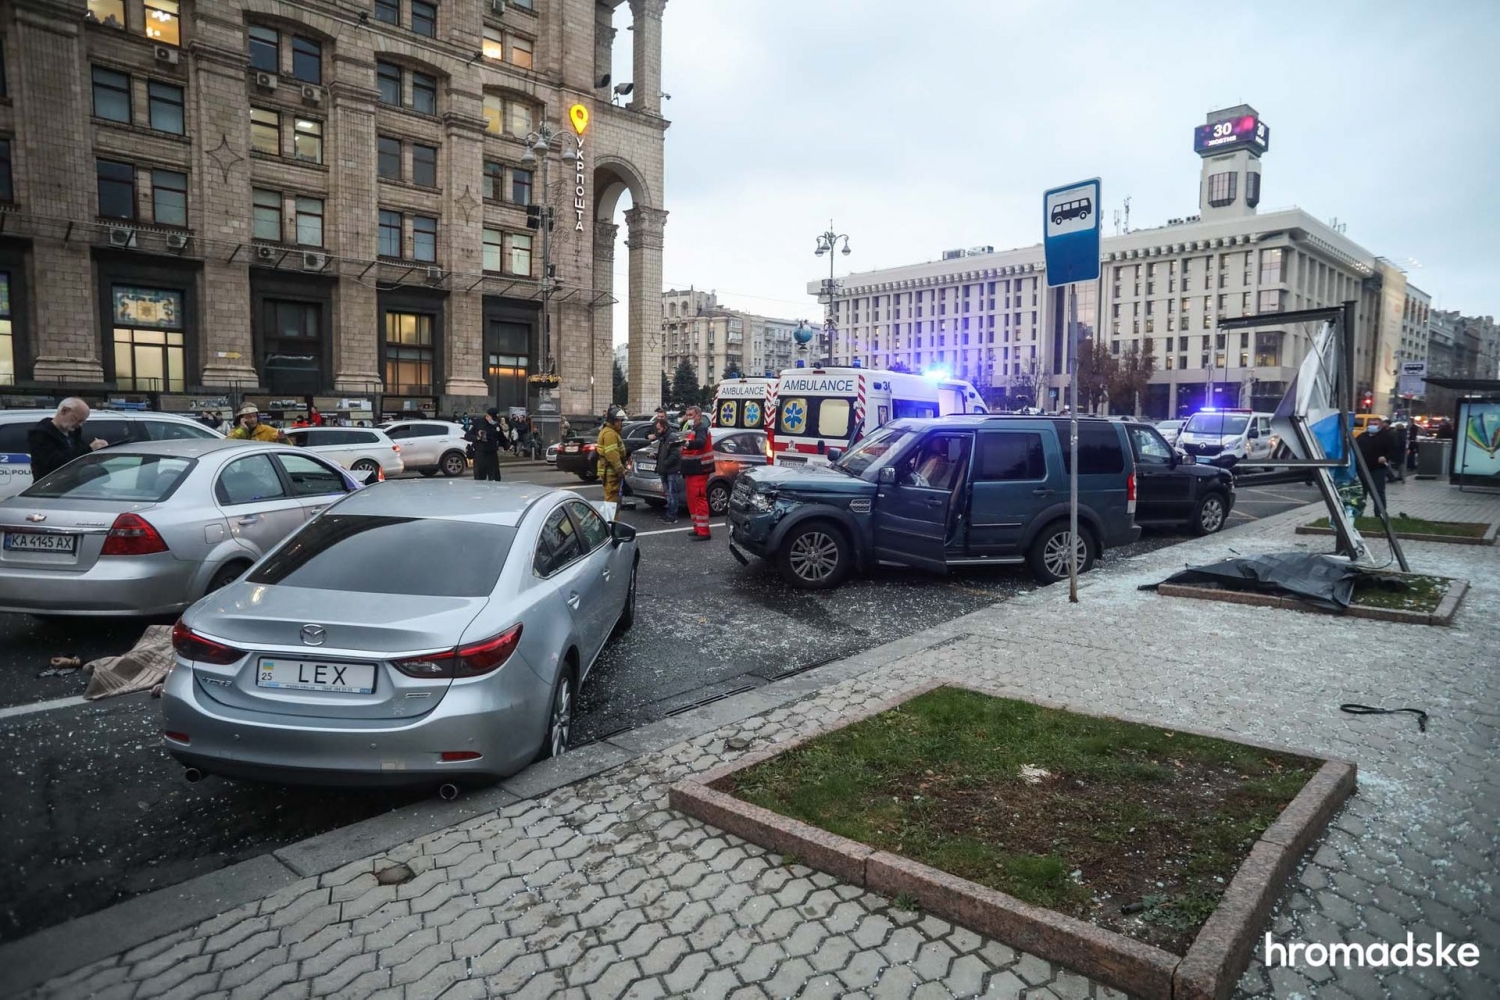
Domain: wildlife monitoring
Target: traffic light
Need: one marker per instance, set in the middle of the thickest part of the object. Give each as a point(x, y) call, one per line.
point(1367, 402)
point(533, 217)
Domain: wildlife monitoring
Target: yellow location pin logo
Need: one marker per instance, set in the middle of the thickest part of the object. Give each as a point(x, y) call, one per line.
point(580, 116)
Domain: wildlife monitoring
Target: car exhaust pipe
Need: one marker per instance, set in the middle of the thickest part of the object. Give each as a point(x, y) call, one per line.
point(448, 791)
point(193, 775)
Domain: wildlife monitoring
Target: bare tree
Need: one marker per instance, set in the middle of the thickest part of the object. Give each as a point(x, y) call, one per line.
point(1097, 369)
point(1132, 376)
point(1028, 384)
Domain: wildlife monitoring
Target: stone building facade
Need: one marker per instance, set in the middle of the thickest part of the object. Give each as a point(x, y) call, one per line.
point(990, 317)
point(327, 201)
point(716, 340)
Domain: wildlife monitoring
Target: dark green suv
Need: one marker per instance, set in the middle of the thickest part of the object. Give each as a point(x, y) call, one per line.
point(969, 490)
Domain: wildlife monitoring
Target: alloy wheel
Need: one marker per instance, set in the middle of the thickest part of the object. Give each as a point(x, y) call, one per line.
point(1211, 517)
point(718, 500)
point(1055, 553)
point(814, 556)
point(562, 718)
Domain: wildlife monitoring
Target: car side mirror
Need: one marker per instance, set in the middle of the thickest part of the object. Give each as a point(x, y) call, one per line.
point(363, 476)
point(888, 476)
point(1172, 462)
point(834, 454)
point(619, 532)
point(1254, 433)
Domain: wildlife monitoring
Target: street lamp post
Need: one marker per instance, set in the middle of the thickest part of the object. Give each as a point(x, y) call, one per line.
point(539, 145)
point(827, 243)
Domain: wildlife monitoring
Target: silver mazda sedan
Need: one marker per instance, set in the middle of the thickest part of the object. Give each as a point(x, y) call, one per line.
point(148, 528)
point(415, 632)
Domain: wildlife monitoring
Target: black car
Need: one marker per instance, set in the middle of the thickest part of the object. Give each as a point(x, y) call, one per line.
point(941, 493)
point(1174, 491)
point(577, 454)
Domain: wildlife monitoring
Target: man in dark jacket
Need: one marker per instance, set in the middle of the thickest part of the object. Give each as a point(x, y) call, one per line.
point(57, 440)
point(668, 465)
point(1377, 445)
point(489, 440)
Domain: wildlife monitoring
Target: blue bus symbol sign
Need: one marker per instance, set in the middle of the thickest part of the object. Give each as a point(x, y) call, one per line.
point(1070, 225)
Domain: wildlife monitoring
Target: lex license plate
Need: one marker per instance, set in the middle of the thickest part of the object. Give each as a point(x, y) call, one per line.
point(311, 675)
point(37, 541)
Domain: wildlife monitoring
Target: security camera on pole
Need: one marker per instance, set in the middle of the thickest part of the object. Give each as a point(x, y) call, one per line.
point(1070, 228)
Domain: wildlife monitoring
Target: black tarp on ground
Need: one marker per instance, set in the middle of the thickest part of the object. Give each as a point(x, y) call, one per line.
point(1321, 580)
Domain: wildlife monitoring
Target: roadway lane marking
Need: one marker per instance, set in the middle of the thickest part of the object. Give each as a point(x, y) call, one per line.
point(41, 706)
point(1279, 496)
point(669, 531)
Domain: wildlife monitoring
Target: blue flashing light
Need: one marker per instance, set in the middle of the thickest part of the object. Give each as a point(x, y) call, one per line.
point(801, 363)
point(936, 374)
point(854, 363)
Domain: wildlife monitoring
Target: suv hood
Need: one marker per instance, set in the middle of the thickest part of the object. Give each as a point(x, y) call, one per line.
point(806, 479)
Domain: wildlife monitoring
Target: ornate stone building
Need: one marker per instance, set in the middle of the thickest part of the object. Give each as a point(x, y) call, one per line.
point(325, 200)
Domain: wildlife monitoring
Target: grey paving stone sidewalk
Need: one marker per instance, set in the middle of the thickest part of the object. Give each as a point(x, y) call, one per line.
point(599, 890)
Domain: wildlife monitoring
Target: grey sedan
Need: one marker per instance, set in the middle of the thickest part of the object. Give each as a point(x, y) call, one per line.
point(419, 631)
point(148, 528)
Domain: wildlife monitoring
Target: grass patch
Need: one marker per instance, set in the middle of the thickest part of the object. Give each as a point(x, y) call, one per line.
point(1413, 526)
point(1401, 593)
point(1083, 815)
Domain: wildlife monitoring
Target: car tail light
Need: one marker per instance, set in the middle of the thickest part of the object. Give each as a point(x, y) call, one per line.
point(192, 646)
point(396, 448)
point(450, 756)
point(132, 535)
point(482, 657)
point(465, 661)
point(176, 737)
point(1130, 494)
point(589, 447)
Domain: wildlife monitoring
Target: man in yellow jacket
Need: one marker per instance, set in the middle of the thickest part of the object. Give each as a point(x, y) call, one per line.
point(610, 449)
point(247, 427)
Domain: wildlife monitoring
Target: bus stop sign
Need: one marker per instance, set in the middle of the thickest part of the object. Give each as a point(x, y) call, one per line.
point(1070, 226)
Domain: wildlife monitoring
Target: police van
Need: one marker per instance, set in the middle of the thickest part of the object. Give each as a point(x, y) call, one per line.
point(819, 413)
point(742, 404)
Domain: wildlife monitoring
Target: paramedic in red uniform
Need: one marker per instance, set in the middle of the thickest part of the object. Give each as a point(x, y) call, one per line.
point(697, 464)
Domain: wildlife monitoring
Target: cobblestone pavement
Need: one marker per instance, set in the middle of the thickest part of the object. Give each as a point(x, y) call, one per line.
point(599, 890)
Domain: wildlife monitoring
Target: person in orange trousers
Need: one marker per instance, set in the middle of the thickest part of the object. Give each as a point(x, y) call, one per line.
point(697, 464)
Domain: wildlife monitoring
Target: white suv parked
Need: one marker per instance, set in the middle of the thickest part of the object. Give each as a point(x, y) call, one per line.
point(358, 449)
point(114, 426)
point(430, 446)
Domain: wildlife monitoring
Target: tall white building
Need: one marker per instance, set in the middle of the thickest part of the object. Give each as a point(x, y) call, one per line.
point(716, 340)
point(989, 317)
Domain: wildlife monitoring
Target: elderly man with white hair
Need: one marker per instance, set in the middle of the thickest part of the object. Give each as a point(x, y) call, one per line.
point(57, 440)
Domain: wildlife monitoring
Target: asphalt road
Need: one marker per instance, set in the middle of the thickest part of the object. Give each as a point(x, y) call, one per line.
point(92, 810)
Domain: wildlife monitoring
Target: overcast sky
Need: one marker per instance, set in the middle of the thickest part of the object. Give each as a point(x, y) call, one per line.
point(923, 125)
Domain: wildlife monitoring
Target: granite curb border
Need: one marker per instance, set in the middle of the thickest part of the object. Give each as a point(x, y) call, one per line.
point(1442, 615)
point(1213, 963)
point(1488, 538)
point(60, 949)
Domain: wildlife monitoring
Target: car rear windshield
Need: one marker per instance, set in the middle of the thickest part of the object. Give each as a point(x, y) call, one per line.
point(367, 554)
point(1223, 424)
point(102, 476)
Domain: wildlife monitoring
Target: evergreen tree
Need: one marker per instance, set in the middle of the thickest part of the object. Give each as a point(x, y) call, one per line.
point(622, 386)
point(666, 389)
point(684, 384)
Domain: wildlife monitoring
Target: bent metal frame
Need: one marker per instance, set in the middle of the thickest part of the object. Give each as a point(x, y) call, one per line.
point(1342, 318)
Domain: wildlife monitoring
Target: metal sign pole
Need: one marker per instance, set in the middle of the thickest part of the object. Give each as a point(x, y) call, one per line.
point(1071, 315)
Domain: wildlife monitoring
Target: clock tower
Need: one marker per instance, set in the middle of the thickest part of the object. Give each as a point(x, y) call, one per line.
point(1231, 144)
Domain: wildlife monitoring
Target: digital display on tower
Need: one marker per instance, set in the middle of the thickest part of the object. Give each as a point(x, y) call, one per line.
point(1244, 132)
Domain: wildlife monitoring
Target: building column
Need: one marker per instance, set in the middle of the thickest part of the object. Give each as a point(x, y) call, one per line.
point(64, 325)
point(646, 61)
point(464, 386)
point(647, 237)
point(603, 313)
point(221, 182)
point(350, 216)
